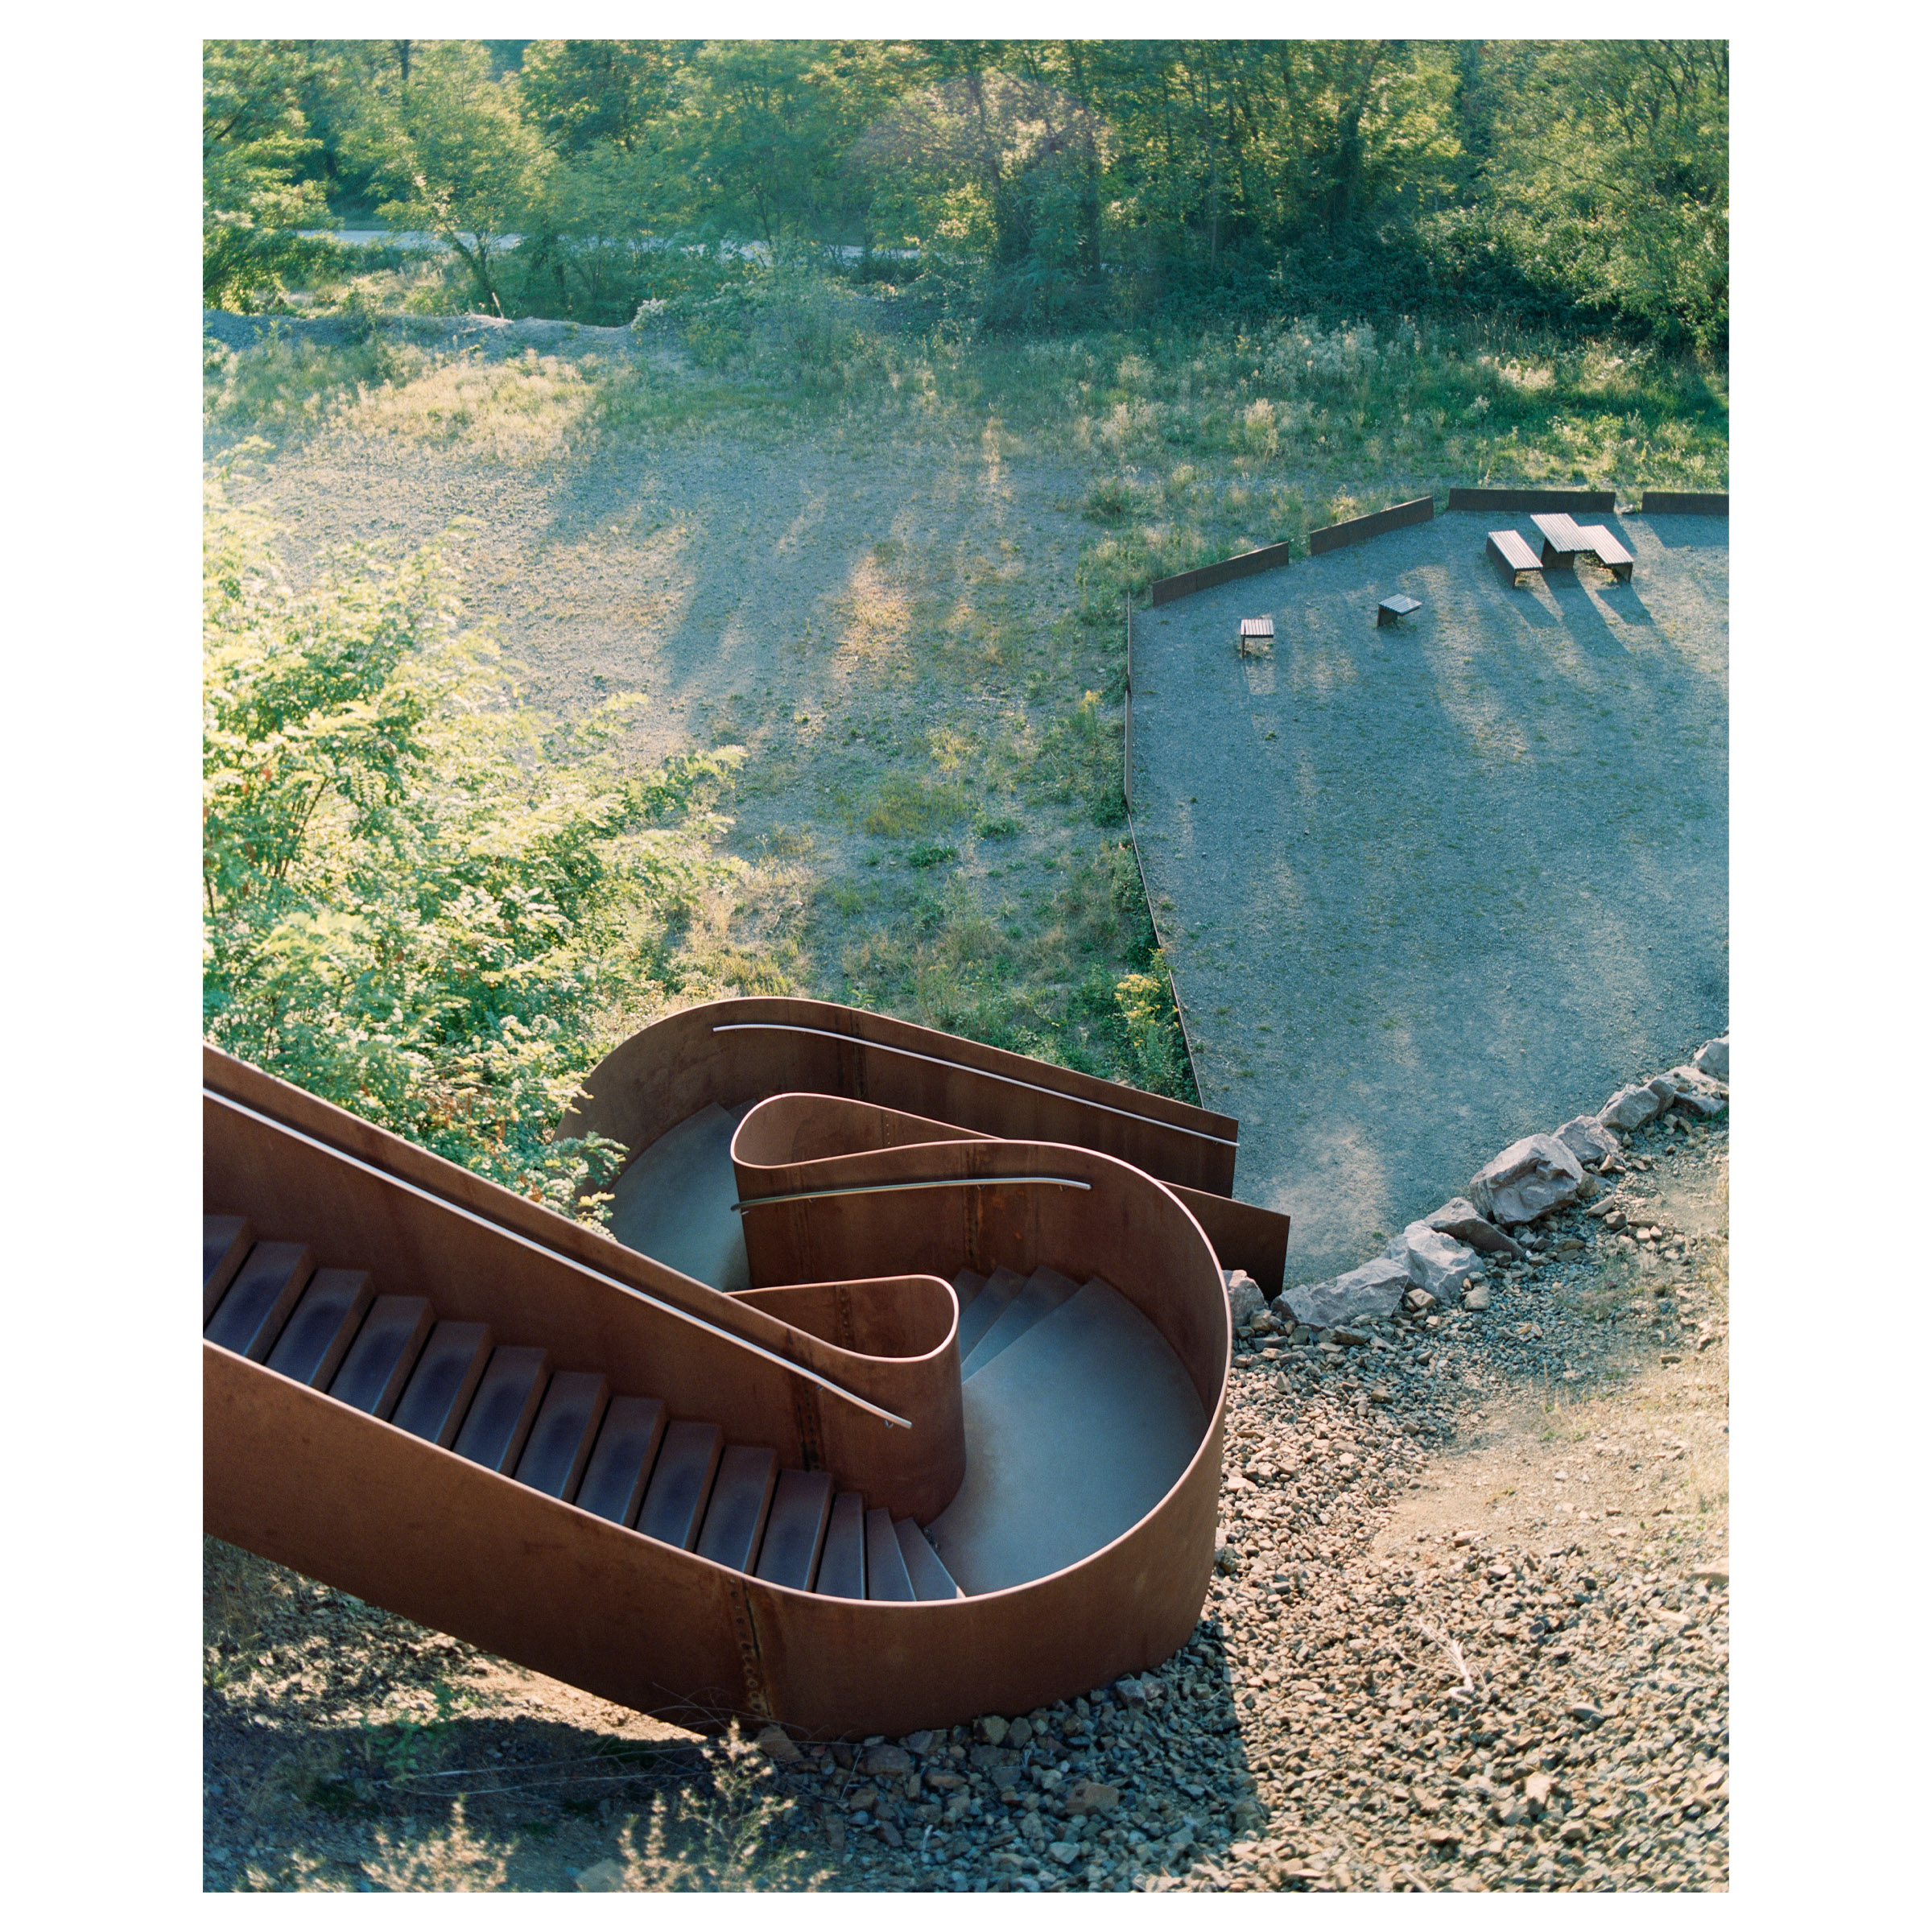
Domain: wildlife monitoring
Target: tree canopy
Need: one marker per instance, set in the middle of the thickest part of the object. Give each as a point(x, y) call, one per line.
point(1055, 178)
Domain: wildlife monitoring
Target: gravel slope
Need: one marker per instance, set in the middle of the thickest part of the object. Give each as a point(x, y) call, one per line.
point(1427, 889)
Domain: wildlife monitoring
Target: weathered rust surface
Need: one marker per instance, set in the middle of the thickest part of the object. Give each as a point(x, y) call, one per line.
point(793, 1129)
point(366, 1508)
point(1358, 530)
point(1519, 500)
point(470, 1272)
point(1681, 502)
point(306, 1479)
point(671, 1069)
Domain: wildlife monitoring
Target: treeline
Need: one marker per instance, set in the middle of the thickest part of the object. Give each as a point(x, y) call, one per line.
point(1022, 184)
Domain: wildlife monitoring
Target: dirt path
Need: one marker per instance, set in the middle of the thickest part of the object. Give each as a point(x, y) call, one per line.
point(1428, 889)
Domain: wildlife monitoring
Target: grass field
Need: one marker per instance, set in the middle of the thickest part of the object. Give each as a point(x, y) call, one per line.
point(892, 567)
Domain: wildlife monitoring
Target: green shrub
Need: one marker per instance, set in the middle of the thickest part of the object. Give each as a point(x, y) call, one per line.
point(1154, 1031)
point(412, 888)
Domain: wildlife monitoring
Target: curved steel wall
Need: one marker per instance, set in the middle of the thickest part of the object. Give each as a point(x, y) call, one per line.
point(307, 1481)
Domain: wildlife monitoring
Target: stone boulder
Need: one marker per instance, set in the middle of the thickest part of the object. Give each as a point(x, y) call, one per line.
point(1587, 1139)
point(1375, 1288)
point(776, 1744)
point(1436, 1261)
point(1631, 1106)
point(1245, 1300)
point(1697, 1092)
point(1714, 1059)
point(1460, 1218)
point(1704, 1105)
point(1527, 1179)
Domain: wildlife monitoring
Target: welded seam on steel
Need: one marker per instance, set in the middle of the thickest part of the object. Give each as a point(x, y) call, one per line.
point(854, 1039)
point(991, 1180)
point(523, 1240)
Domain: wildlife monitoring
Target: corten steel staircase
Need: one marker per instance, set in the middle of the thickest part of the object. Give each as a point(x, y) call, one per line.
point(924, 1418)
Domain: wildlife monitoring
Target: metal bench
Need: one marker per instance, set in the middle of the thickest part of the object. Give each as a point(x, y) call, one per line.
point(1514, 558)
point(1605, 550)
point(1563, 542)
point(1392, 610)
point(1257, 637)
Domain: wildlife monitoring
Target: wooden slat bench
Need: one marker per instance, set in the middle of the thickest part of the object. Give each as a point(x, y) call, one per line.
point(1605, 549)
point(1563, 542)
point(1514, 558)
point(1392, 609)
point(1257, 637)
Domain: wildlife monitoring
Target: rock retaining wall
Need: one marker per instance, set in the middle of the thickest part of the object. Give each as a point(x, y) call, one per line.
point(1437, 1260)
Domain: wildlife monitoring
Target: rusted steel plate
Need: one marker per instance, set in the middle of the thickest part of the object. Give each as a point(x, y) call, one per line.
point(1681, 502)
point(469, 1269)
point(1245, 563)
point(306, 1479)
point(733, 1051)
point(1519, 501)
point(794, 1127)
point(1358, 530)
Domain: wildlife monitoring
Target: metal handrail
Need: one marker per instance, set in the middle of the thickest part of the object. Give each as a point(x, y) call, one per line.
point(989, 1180)
point(853, 1039)
point(523, 1240)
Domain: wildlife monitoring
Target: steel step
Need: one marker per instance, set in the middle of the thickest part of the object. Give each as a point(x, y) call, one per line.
point(842, 1567)
point(886, 1579)
point(620, 1468)
point(680, 1486)
point(557, 1452)
point(225, 1240)
point(931, 1580)
point(988, 1306)
point(1073, 1434)
point(966, 1286)
point(1044, 1292)
point(506, 1400)
point(446, 1375)
point(794, 1531)
point(740, 1498)
point(384, 1352)
point(261, 1298)
point(318, 1334)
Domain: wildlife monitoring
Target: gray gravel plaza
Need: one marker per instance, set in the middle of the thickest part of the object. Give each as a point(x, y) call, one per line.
point(1429, 888)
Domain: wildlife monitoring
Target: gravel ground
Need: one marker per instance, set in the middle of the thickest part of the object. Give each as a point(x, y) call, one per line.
point(1468, 1632)
point(1427, 889)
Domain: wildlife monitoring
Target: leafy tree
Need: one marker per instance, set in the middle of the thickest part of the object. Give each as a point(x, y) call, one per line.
point(411, 886)
point(1613, 179)
point(254, 144)
point(587, 96)
point(455, 156)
